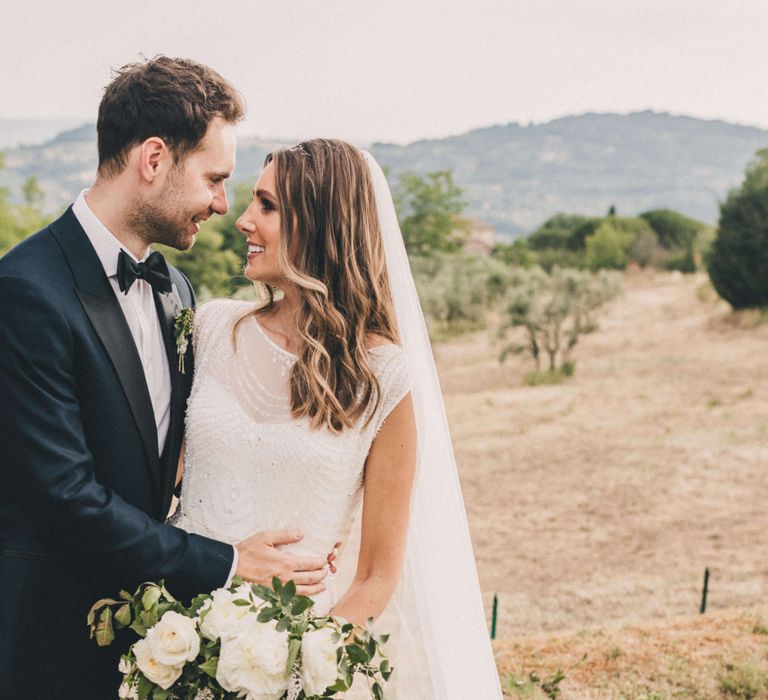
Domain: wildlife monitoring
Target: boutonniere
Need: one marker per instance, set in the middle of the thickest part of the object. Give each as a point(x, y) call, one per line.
point(182, 329)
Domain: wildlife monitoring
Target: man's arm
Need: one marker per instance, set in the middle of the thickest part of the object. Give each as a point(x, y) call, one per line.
point(47, 465)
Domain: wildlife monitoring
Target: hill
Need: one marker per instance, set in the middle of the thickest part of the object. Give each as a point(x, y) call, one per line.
point(514, 176)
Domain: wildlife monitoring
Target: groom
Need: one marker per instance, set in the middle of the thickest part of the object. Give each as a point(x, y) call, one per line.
point(91, 396)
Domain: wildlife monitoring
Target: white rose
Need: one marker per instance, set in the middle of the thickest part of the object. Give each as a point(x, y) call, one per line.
point(252, 661)
point(220, 615)
point(125, 666)
point(319, 668)
point(174, 639)
point(159, 674)
point(127, 692)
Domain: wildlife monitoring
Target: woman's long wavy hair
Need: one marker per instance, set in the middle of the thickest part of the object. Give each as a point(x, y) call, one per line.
point(331, 250)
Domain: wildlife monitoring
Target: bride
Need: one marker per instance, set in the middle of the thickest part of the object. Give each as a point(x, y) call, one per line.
point(321, 410)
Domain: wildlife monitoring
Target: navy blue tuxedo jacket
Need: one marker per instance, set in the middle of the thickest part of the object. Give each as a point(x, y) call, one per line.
point(83, 492)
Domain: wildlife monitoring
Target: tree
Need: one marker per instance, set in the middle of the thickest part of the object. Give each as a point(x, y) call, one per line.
point(619, 240)
point(674, 230)
point(556, 231)
point(555, 310)
point(18, 222)
point(430, 212)
point(738, 261)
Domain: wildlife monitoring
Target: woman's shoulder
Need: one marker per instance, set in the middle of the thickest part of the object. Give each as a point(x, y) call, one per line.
point(216, 318)
point(221, 310)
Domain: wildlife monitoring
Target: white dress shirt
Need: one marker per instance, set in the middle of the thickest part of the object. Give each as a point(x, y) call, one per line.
point(138, 306)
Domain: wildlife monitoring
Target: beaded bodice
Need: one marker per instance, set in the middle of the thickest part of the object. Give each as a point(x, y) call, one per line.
point(251, 466)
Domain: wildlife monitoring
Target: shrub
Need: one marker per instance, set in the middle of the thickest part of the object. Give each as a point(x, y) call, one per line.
point(738, 261)
point(554, 309)
point(457, 290)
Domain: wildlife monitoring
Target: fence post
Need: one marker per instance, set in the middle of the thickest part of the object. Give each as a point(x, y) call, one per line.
point(494, 615)
point(704, 592)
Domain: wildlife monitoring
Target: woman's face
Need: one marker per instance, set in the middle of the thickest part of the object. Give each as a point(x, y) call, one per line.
point(260, 224)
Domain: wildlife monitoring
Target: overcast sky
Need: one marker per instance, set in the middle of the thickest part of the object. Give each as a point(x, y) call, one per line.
point(400, 70)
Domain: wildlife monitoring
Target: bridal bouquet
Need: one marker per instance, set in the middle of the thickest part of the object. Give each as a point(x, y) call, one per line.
point(246, 641)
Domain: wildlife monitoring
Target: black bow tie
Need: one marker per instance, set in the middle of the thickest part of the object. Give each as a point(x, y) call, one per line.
point(154, 270)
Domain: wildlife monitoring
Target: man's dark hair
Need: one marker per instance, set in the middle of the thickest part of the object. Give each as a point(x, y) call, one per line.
point(174, 99)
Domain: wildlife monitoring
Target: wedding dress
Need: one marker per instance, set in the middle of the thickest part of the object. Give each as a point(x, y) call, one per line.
point(250, 466)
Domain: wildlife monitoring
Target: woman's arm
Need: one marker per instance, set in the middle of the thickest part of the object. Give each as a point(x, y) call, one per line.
point(389, 473)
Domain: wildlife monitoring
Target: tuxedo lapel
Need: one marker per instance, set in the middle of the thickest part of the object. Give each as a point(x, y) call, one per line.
point(103, 310)
point(168, 305)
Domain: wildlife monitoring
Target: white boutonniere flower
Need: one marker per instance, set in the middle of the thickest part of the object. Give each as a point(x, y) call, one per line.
point(182, 329)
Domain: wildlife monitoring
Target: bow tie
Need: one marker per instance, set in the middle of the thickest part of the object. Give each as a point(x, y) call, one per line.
point(154, 270)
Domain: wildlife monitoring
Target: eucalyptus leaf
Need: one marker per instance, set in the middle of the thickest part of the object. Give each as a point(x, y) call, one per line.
point(283, 624)
point(126, 596)
point(300, 603)
point(264, 593)
point(277, 585)
point(289, 590)
point(267, 614)
point(378, 691)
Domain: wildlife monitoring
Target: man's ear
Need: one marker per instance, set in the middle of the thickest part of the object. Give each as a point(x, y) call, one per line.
point(153, 158)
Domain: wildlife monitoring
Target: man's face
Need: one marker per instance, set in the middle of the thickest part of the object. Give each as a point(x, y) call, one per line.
point(192, 192)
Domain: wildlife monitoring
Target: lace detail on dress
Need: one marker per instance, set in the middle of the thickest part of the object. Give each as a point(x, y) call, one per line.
point(250, 465)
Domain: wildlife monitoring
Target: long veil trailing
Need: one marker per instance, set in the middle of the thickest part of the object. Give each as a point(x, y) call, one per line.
point(441, 646)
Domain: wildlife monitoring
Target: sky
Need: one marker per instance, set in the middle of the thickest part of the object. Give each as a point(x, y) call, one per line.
point(401, 70)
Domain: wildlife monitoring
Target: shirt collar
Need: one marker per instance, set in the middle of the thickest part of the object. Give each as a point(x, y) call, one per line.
point(104, 242)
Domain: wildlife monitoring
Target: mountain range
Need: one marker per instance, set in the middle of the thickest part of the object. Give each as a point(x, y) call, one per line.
point(514, 176)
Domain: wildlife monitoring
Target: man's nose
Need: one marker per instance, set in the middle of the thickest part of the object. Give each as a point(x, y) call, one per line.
point(220, 203)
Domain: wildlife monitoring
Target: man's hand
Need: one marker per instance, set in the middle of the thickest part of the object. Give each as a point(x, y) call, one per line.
point(259, 561)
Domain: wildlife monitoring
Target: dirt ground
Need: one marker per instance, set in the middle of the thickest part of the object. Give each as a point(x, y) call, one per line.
point(720, 655)
point(600, 501)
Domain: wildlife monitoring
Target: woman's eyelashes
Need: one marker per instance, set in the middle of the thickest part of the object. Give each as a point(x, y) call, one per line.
point(266, 205)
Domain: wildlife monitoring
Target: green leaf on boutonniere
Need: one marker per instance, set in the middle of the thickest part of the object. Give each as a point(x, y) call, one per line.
point(182, 330)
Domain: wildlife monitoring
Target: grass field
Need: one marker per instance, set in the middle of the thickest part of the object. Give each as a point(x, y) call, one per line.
point(598, 503)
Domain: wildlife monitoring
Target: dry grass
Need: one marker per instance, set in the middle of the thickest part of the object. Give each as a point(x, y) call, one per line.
point(598, 502)
point(721, 655)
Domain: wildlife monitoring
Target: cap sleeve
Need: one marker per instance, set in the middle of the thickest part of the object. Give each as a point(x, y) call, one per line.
point(391, 368)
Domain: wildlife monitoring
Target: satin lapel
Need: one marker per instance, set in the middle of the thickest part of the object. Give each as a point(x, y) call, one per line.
point(108, 321)
point(167, 309)
point(104, 312)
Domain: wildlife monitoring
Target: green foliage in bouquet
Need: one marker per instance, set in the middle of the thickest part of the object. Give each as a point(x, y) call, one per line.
point(244, 640)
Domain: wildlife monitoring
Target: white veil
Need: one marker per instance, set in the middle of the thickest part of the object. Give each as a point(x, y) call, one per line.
point(441, 648)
